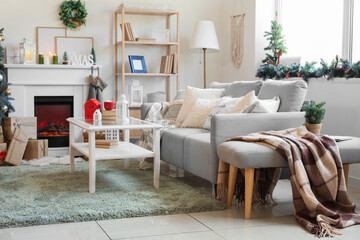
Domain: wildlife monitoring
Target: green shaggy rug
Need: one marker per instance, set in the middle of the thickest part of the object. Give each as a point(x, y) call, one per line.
point(50, 194)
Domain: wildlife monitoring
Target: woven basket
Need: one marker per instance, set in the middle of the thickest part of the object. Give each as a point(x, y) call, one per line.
point(314, 128)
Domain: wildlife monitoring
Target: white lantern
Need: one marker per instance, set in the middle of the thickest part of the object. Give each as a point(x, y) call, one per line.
point(136, 93)
point(27, 52)
point(122, 109)
point(97, 117)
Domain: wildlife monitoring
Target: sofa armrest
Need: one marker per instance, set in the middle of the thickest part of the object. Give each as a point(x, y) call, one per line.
point(225, 126)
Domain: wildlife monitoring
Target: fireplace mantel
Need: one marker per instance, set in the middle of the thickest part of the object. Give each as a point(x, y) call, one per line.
point(29, 81)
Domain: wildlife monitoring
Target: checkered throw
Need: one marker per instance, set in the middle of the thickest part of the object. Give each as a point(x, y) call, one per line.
point(320, 197)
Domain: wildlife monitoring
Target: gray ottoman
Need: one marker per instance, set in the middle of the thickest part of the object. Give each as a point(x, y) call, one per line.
point(249, 156)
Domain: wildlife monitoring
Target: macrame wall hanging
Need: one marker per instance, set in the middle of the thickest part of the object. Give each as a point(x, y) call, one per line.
point(237, 39)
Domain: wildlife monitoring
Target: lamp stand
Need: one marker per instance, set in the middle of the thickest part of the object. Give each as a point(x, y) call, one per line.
point(204, 49)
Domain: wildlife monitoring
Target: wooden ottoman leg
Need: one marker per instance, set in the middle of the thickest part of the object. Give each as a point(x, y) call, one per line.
point(346, 173)
point(231, 185)
point(223, 176)
point(249, 185)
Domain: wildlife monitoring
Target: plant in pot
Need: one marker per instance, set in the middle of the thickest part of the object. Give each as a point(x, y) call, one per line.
point(315, 113)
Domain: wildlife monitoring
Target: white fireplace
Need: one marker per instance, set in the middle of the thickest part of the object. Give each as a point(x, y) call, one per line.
point(30, 81)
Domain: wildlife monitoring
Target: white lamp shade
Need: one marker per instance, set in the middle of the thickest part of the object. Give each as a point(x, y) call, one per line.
point(204, 36)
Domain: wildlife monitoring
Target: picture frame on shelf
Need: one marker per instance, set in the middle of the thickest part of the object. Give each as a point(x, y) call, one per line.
point(161, 35)
point(73, 46)
point(45, 38)
point(137, 64)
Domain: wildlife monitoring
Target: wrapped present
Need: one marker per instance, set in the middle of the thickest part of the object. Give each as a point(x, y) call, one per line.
point(98, 135)
point(29, 124)
point(17, 147)
point(36, 149)
point(1, 135)
point(3, 150)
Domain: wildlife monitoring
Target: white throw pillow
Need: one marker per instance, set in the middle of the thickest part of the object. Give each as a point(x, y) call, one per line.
point(195, 93)
point(226, 105)
point(199, 112)
point(246, 104)
point(267, 105)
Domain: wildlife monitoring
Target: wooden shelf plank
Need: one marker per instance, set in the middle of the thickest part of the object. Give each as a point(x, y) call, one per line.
point(147, 43)
point(135, 11)
point(148, 74)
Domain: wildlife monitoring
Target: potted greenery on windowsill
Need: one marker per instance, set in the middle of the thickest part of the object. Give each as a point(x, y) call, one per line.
point(315, 113)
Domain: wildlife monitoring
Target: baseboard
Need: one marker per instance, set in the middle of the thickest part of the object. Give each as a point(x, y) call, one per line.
point(354, 181)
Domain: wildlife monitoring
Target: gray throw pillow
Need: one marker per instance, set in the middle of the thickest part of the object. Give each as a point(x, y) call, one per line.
point(291, 93)
point(241, 88)
point(220, 85)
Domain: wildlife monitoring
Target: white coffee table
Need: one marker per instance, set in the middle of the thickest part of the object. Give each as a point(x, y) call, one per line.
point(125, 150)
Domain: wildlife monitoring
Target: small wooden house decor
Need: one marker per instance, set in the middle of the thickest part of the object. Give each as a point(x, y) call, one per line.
point(90, 107)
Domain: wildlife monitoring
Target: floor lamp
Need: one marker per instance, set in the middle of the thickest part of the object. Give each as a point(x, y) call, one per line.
point(204, 38)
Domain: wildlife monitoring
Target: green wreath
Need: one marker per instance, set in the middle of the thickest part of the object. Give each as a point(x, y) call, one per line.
point(73, 13)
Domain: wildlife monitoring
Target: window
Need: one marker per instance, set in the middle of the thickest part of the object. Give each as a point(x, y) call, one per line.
point(356, 32)
point(314, 29)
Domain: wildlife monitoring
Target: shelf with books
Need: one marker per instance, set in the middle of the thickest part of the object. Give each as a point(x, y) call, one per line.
point(148, 74)
point(128, 39)
point(147, 43)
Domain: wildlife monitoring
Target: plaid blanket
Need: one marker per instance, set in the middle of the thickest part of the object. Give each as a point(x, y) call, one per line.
point(320, 197)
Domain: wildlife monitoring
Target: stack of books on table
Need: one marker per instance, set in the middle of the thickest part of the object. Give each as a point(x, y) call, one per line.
point(109, 115)
point(169, 64)
point(129, 36)
point(106, 143)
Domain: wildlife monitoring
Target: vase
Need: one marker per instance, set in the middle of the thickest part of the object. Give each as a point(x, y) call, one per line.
point(314, 128)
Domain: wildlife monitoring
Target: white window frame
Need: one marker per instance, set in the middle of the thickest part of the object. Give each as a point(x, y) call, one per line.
point(348, 24)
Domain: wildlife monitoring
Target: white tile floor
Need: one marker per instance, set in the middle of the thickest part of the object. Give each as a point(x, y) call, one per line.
point(275, 222)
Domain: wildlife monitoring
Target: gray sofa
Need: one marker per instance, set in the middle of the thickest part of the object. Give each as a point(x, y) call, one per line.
point(195, 150)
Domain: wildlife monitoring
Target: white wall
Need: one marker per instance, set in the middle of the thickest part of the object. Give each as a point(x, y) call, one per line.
point(21, 17)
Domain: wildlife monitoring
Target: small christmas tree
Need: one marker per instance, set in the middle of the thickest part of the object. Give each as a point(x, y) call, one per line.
point(65, 58)
point(276, 43)
point(93, 54)
point(315, 112)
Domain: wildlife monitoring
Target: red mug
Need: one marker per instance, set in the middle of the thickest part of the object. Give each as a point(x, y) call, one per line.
point(109, 105)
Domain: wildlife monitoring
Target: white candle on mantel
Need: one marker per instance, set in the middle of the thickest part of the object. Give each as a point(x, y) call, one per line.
point(48, 58)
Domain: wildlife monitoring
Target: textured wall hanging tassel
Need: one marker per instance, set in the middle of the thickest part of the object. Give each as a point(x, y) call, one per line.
point(237, 39)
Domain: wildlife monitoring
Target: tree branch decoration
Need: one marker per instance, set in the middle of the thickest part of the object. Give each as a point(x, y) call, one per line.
point(338, 68)
point(73, 13)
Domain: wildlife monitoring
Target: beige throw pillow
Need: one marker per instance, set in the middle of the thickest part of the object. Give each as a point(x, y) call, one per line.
point(246, 104)
point(199, 113)
point(192, 94)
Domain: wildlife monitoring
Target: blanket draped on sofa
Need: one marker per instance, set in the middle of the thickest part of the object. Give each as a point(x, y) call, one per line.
point(320, 197)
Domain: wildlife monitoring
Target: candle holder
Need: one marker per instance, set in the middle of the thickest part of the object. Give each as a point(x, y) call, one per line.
point(27, 52)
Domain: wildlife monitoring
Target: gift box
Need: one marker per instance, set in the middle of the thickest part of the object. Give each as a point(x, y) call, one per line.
point(28, 124)
point(1, 135)
point(3, 149)
point(98, 135)
point(36, 149)
point(17, 147)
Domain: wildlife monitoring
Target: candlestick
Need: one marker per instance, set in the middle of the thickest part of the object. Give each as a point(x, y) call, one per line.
point(55, 59)
point(48, 58)
point(41, 58)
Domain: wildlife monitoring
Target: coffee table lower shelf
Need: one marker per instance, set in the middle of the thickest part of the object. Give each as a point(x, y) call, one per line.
point(123, 150)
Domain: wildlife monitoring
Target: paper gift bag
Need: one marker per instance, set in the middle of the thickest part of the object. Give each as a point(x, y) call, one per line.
point(28, 124)
point(3, 149)
point(17, 147)
point(36, 149)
